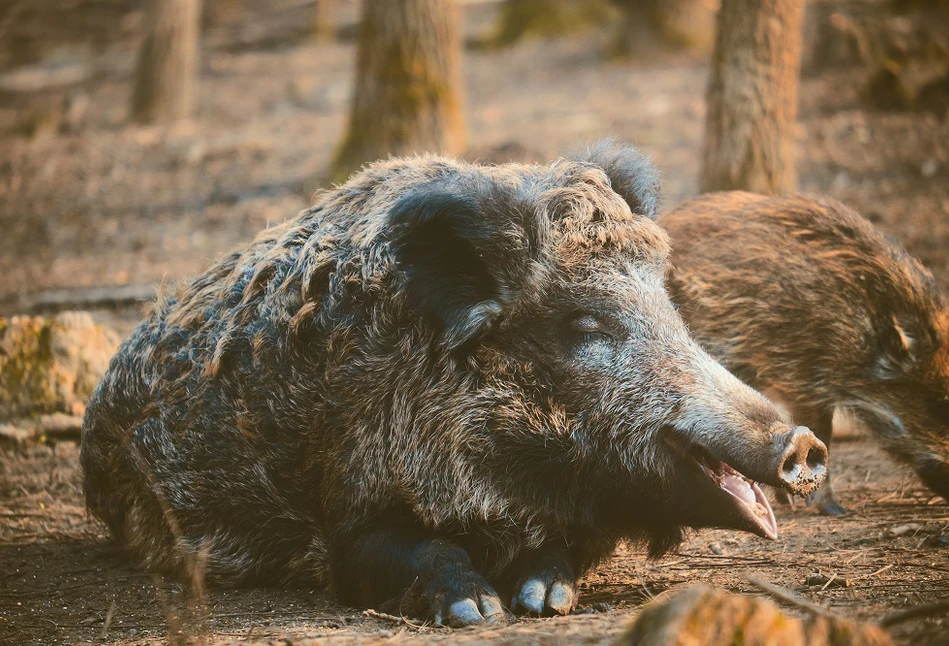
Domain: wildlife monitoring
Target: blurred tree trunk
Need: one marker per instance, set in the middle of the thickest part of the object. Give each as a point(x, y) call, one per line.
point(166, 74)
point(752, 97)
point(546, 18)
point(408, 74)
point(651, 27)
point(324, 23)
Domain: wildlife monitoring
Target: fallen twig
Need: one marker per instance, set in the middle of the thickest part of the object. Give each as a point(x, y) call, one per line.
point(55, 425)
point(384, 616)
point(919, 612)
point(65, 588)
point(872, 574)
point(832, 578)
point(83, 298)
point(108, 619)
point(786, 596)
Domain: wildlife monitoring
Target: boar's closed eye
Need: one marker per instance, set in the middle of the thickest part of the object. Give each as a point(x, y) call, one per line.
point(589, 328)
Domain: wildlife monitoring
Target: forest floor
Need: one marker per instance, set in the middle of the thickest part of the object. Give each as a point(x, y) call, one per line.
point(88, 199)
point(63, 582)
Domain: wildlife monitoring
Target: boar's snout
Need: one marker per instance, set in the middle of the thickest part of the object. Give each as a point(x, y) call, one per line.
point(802, 461)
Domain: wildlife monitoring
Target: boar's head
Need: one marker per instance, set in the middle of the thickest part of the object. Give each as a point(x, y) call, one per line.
point(904, 396)
point(580, 394)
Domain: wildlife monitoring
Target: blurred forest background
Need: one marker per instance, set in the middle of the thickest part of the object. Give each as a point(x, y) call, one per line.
point(141, 138)
point(123, 163)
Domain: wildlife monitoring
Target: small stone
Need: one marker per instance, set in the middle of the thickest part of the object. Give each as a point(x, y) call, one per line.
point(929, 168)
point(841, 181)
point(716, 548)
point(901, 530)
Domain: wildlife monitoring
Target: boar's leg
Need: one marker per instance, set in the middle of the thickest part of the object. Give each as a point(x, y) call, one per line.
point(544, 582)
point(824, 498)
point(435, 575)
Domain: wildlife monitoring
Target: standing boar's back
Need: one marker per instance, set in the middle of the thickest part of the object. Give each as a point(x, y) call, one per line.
point(804, 299)
point(437, 369)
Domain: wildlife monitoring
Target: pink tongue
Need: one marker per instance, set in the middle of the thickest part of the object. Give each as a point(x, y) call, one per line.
point(738, 487)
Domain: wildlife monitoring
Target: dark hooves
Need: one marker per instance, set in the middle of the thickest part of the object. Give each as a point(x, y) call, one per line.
point(544, 585)
point(470, 612)
point(831, 508)
point(456, 599)
point(541, 596)
point(826, 502)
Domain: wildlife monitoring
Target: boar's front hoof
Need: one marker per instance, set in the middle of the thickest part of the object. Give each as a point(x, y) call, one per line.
point(546, 585)
point(825, 500)
point(538, 597)
point(459, 598)
point(803, 461)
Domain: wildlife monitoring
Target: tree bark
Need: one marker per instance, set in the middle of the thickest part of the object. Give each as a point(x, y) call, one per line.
point(654, 27)
point(407, 83)
point(752, 97)
point(167, 69)
point(324, 23)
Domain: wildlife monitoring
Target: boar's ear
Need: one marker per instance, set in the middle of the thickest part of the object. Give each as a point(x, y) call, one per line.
point(453, 259)
point(630, 172)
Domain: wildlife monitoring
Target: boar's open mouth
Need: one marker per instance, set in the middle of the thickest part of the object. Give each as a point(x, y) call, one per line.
point(733, 498)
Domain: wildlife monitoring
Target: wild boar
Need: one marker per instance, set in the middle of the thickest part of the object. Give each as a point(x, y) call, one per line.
point(807, 301)
point(445, 378)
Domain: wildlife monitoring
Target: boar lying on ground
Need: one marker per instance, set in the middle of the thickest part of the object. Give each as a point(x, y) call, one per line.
point(805, 300)
point(442, 377)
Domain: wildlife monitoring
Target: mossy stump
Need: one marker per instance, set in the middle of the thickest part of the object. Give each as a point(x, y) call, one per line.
point(51, 365)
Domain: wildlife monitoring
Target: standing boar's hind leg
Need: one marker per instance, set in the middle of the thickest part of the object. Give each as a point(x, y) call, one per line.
point(435, 575)
point(544, 582)
point(824, 499)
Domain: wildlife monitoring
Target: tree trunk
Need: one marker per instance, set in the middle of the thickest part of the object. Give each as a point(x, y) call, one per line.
point(651, 28)
point(407, 83)
point(166, 74)
point(752, 97)
point(324, 23)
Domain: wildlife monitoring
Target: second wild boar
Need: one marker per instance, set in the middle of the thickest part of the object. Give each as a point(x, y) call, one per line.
point(807, 301)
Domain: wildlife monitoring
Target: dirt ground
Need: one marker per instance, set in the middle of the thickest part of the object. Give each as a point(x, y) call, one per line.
point(86, 199)
point(60, 578)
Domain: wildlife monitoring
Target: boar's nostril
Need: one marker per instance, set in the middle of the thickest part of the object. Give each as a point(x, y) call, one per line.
point(790, 463)
point(803, 460)
point(815, 458)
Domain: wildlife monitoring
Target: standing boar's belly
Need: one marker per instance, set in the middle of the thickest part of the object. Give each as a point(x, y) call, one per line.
point(808, 302)
point(443, 381)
